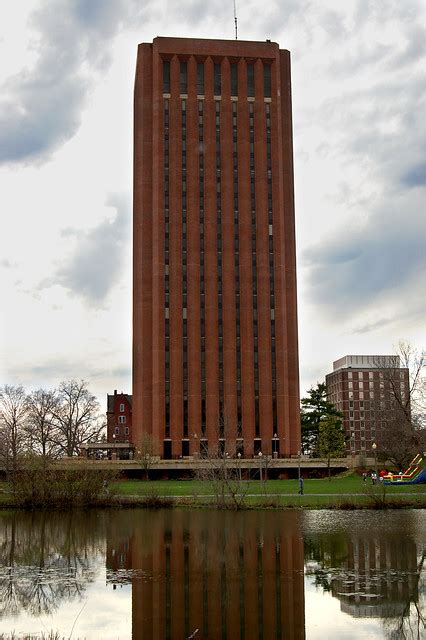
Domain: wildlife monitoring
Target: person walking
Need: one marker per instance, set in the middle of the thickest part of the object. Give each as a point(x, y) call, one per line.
point(301, 485)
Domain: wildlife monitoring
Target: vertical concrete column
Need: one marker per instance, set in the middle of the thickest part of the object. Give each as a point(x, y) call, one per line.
point(268, 565)
point(158, 573)
point(142, 246)
point(283, 418)
point(193, 259)
point(210, 260)
point(262, 263)
point(177, 570)
point(214, 580)
point(233, 584)
point(290, 288)
point(158, 301)
point(142, 590)
point(251, 583)
point(292, 586)
point(228, 262)
point(175, 215)
point(246, 276)
point(195, 572)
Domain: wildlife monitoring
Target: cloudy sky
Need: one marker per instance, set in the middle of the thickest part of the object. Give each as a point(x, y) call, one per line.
point(359, 101)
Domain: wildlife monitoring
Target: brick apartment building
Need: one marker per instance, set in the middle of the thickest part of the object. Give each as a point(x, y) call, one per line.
point(215, 353)
point(363, 388)
point(119, 417)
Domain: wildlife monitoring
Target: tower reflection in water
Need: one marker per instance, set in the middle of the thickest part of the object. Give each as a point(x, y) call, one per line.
point(374, 574)
point(225, 574)
point(381, 577)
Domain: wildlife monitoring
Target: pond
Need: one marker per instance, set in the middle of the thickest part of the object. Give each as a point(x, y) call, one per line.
point(210, 574)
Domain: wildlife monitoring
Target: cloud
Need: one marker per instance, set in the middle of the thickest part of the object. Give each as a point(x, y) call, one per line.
point(372, 326)
point(370, 263)
point(41, 107)
point(415, 176)
point(370, 125)
point(99, 256)
point(6, 264)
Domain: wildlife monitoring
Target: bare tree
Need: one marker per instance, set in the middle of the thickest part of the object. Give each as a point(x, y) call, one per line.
point(402, 409)
point(76, 417)
point(146, 452)
point(222, 470)
point(13, 417)
point(40, 427)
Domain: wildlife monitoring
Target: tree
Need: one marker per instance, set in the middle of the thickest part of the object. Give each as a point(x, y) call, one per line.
point(223, 473)
point(221, 468)
point(42, 406)
point(331, 439)
point(146, 452)
point(76, 417)
point(401, 407)
point(315, 408)
point(13, 417)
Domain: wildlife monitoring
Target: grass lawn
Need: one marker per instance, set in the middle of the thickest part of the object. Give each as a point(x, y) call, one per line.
point(319, 492)
point(341, 491)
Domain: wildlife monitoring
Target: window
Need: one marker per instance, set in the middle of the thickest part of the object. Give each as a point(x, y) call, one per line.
point(122, 419)
point(350, 375)
point(122, 407)
point(250, 80)
point(200, 78)
point(217, 80)
point(234, 79)
point(126, 431)
point(166, 77)
point(267, 81)
point(117, 431)
point(183, 77)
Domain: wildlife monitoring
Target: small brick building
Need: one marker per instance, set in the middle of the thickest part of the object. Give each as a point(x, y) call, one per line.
point(119, 417)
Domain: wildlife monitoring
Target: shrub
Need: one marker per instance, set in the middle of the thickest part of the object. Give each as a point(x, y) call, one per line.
point(38, 483)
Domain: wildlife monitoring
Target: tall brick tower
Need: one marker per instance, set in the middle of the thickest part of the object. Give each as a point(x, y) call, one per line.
point(215, 354)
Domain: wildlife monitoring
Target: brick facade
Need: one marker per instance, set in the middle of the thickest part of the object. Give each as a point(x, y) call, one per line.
point(119, 417)
point(363, 391)
point(215, 353)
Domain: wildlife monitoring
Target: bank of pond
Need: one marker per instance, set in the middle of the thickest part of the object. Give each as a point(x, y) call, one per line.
point(87, 488)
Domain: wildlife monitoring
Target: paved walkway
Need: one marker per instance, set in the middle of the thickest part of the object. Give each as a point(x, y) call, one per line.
point(279, 495)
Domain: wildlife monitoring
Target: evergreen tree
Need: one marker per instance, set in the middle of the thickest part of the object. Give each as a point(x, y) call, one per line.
point(331, 439)
point(315, 407)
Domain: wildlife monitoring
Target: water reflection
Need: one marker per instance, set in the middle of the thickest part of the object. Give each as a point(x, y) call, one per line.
point(229, 575)
point(44, 559)
point(375, 572)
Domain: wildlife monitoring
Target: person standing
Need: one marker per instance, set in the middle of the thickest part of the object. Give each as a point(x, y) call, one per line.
point(301, 485)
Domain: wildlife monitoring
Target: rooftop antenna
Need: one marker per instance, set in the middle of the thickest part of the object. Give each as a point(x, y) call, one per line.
point(235, 20)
